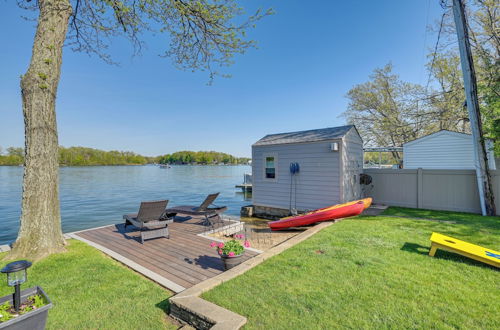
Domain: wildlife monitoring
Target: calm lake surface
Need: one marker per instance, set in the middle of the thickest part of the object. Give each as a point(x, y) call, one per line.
point(97, 196)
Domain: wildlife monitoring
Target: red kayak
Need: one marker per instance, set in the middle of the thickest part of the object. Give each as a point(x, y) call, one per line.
point(328, 214)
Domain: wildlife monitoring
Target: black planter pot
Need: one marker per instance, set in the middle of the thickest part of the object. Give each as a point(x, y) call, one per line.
point(230, 262)
point(34, 320)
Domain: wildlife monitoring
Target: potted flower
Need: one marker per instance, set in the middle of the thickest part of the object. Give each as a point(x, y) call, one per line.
point(231, 251)
point(25, 309)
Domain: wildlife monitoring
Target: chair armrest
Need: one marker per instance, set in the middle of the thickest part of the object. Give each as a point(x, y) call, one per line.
point(130, 217)
point(154, 224)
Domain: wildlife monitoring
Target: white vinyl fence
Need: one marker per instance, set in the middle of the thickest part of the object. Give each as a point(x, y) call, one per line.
point(452, 190)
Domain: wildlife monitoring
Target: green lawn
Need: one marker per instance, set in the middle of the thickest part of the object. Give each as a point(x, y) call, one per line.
point(373, 272)
point(92, 291)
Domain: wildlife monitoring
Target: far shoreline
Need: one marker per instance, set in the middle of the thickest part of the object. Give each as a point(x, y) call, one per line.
point(96, 165)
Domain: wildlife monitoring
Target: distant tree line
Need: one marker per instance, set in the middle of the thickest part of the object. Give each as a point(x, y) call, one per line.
point(201, 157)
point(13, 156)
point(80, 156)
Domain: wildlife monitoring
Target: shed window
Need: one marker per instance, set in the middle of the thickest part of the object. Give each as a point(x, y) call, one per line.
point(270, 168)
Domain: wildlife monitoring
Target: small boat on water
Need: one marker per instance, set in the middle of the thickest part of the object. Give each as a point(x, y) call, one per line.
point(327, 213)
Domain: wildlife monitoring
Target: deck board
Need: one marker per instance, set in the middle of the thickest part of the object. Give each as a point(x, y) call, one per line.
point(185, 258)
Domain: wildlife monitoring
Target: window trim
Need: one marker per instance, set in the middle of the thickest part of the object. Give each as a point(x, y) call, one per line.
point(265, 156)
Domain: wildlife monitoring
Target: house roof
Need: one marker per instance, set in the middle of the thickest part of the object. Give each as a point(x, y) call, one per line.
point(314, 135)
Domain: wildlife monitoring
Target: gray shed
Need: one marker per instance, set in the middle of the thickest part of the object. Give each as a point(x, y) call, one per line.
point(330, 161)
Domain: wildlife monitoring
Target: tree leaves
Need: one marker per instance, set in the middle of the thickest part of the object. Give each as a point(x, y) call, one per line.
point(386, 110)
point(390, 112)
point(203, 34)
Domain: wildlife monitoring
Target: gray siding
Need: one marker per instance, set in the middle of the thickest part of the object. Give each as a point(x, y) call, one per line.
point(442, 150)
point(352, 165)
point(318, 183)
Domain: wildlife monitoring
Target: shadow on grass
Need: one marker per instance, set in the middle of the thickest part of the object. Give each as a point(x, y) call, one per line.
point(441, 254)
point(470, 227)
point(415, 248)
point(164, 305)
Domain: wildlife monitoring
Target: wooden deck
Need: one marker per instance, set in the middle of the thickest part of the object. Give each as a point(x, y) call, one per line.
point(185, 258)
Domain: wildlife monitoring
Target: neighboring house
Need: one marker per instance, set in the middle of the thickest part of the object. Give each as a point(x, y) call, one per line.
point(443, 150)
point(330, 161)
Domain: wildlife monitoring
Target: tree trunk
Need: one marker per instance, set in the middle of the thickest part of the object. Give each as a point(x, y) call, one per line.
point(40, 233)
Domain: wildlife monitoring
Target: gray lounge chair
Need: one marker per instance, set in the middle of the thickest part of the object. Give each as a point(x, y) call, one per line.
point(212, 214)
point(151, 220)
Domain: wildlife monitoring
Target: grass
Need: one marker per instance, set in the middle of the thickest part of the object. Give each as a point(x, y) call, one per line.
point(373, 272)
point(91, 291)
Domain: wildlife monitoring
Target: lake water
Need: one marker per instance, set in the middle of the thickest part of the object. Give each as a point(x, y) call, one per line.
point(97, 196)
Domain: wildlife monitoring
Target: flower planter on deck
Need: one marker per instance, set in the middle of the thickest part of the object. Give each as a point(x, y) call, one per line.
point(230, 262)
point(33, 320)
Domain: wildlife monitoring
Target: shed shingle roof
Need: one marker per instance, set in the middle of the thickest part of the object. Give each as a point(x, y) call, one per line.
point(314, 135)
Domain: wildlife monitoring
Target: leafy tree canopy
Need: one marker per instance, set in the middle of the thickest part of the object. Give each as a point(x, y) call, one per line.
point(389, 112)
point(198, 34)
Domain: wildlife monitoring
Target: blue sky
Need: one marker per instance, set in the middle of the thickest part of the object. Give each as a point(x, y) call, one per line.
point(310, 54)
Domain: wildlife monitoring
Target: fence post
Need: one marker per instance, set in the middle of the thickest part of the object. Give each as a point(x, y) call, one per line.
point(420, 188)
